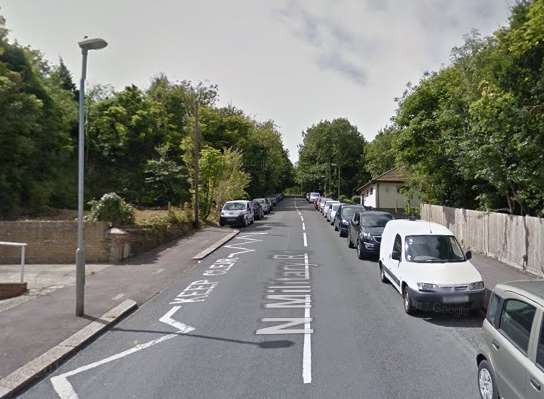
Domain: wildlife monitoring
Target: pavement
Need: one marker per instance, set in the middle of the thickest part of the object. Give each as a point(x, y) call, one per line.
point(283, 310)
point(34, 323)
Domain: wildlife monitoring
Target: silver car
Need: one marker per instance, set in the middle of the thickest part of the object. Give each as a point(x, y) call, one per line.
point(511, 361)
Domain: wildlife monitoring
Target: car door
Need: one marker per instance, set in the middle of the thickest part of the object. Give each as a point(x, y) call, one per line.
point(393, 261)
point(510, 346)
point(534, 384)
point(354, 227)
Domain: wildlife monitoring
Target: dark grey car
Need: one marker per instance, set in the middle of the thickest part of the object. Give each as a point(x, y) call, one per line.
point(365, 232)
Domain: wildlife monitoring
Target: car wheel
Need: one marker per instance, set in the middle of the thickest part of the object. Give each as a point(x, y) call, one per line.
point(407, 301)
point(244, 222)
point(335, 228)
point(360, 251)
point(383, 277)
point(350, 244)
point(486, 381)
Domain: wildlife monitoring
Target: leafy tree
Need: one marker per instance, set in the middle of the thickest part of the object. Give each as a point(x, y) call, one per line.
point(380, 153)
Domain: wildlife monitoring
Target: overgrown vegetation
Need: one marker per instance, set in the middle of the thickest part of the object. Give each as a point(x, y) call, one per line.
point(113, 209)
point(138, 140)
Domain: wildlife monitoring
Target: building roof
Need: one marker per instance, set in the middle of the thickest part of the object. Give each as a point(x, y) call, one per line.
point(395, 175)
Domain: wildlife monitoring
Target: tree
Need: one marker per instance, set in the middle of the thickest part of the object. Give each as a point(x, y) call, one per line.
point(330, 147)
point(380, 153)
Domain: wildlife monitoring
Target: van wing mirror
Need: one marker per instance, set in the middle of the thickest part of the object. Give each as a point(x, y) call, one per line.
point(395, 255)
point(468, 255)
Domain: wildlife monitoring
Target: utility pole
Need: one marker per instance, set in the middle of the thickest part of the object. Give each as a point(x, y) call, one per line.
point(196, 165)
point(338, 166)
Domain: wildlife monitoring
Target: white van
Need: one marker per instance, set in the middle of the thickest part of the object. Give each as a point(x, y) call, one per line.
point(427, 266)
point(238, 212)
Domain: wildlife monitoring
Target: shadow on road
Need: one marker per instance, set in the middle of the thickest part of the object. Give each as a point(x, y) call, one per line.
point(463, 319)
point(276, 344)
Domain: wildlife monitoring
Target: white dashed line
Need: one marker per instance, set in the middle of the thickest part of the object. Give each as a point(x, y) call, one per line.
point(303, 227)
point(117, 297)
point(305, 239)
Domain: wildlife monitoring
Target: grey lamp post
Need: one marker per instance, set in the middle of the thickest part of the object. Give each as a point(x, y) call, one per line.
point(86, 45)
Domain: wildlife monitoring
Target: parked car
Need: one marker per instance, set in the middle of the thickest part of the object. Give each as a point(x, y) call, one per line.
point(314, 197)
point(332, 212)
point(265, 204)
point(273, 201)
point(258, 211)
point(343, 217)
point(239, 212)
point(326, 206)
point(365, 232)
point(426, 265)
point(511, 359)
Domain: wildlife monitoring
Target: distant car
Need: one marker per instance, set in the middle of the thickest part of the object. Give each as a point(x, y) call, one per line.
point(327, 207)
point(343, 217)
point(307, 196)
point(365, 232)
point(511, 358)
point(238, 212)
point(426, 265)
point(265, 204)
point(273, 201)
point(332, 212)
point(258, 211)
point(313, 197)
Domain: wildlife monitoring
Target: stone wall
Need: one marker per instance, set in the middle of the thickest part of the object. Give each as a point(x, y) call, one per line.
point(53, 241)
point(515, 240)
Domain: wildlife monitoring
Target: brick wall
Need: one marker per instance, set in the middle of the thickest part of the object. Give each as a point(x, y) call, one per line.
point(53, 241)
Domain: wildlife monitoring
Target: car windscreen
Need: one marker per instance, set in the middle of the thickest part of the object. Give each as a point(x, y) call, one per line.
point(371, 220)
point(234, 206)
point(433, 249)
point(261, 200)
point(335, 207)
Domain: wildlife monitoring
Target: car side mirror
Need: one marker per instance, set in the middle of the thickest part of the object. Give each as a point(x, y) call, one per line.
point(468, 255)
point(395, 255)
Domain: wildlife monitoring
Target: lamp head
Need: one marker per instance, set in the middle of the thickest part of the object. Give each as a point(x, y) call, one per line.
point(92, 44)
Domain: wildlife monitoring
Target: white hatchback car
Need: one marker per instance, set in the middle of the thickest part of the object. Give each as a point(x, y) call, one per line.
point(237, 213)
point(426, 264)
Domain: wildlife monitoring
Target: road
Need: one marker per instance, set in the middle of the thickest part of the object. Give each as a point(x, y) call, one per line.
point(285, 310)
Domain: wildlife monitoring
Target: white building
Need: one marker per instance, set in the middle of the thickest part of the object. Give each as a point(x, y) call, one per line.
point(384, 192)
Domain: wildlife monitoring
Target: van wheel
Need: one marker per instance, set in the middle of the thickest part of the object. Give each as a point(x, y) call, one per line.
point(383, 277)
point(244, 222)
point(407, 301)
point(486, 381)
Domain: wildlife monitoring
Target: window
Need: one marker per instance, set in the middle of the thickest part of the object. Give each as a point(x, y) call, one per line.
point(356, 217)
point(433, 248)
point(540, 349)
point(492, 307)
point(371, 190)
point(397, 246)
point(516, 321)
point(373, 220)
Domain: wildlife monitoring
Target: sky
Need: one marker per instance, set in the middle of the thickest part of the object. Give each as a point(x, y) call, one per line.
point(296, 62)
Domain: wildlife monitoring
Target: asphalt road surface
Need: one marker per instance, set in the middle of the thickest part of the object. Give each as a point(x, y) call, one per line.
point(285, 310)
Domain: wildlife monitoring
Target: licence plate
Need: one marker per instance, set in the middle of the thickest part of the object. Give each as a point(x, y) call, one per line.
point(455, 299)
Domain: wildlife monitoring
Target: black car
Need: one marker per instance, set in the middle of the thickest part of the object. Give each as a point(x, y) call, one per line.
point(344, 214)
point(365, 232)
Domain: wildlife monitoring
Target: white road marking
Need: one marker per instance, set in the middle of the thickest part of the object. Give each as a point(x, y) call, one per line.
point(301, 218)
point(303, 227)
point(65, 390)
point(305, 239)
point(167, 319)
point(158, 271)
point(307, 347)
point(117, 297)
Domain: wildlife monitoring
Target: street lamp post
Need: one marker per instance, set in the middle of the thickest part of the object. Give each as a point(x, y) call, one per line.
point(85, 45)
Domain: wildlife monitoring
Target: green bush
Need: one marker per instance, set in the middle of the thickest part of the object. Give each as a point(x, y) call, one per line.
point(113, 209)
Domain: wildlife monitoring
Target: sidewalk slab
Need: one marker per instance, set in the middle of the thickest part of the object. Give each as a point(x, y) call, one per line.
point(31, 328)
point(26, 374)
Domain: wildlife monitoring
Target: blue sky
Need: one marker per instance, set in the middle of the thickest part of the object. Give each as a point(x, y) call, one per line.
point(294, 61)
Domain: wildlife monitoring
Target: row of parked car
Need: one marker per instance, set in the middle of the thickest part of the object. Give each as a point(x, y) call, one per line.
point(425, 263)
point(245, 212)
